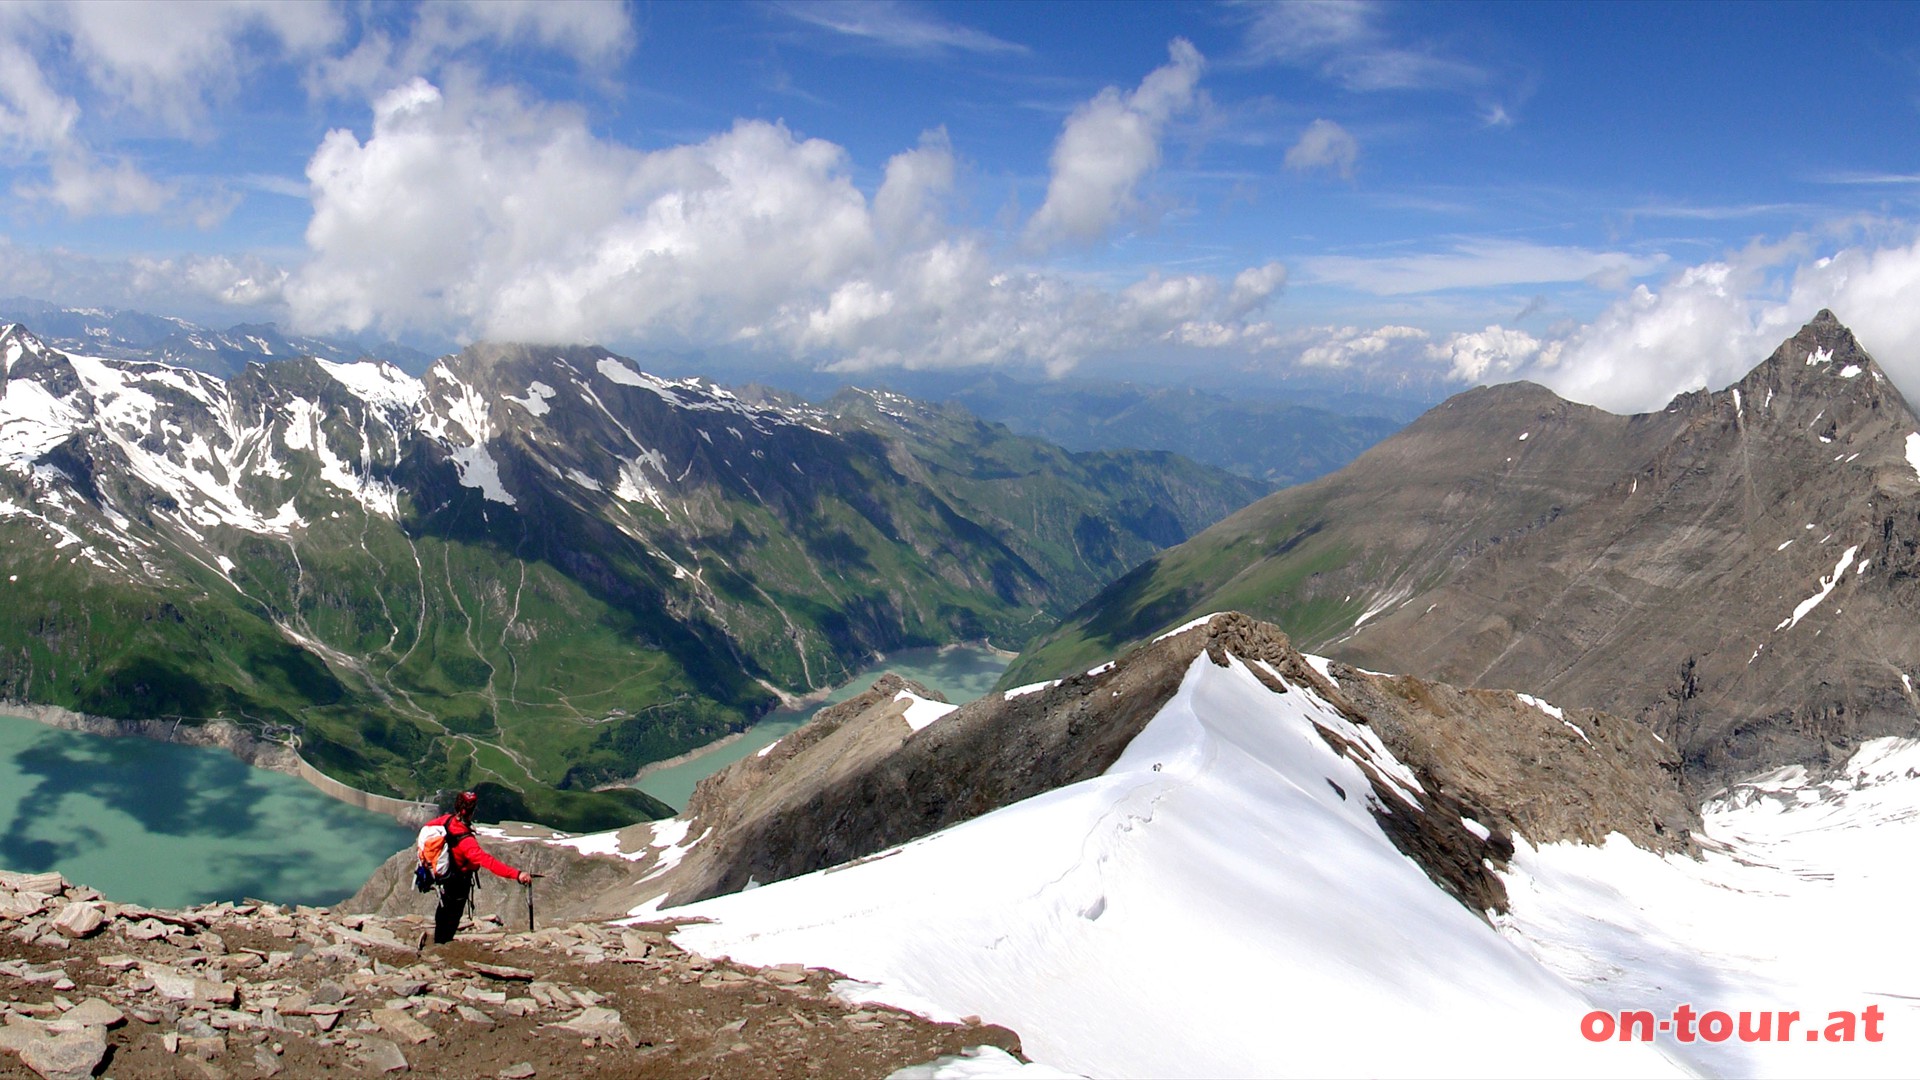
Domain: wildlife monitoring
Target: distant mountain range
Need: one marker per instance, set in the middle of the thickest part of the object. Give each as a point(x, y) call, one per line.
point(536, 568)
point(1276, 441)
point(1740, 571)
point(1278, 435)
point(1277, 438)
point(136, 335)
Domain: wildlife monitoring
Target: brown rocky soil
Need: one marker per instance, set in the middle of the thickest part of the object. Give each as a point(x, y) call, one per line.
point(90, 987)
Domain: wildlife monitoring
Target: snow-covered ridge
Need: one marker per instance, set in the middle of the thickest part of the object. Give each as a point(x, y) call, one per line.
point(1224, 880)
point(702, 396)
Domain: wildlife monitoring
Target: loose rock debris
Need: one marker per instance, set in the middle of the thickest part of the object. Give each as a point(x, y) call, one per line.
point(228, 991)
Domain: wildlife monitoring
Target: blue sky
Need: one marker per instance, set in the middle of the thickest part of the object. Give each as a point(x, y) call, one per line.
point(1624, 201)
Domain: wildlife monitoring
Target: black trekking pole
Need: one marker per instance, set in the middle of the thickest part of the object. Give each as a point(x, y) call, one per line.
point(530, 877)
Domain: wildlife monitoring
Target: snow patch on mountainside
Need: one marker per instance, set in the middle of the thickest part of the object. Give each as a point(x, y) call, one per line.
point(633, 484)
point(465, 431)
point(1554, 711)
point(33, 421)
point(381, 385)
point(303, 431)
point(1827, 583)
point(1393, 598)
point(1030, 688)
point(922, 712)
point(536, 400)
point(1219, 903)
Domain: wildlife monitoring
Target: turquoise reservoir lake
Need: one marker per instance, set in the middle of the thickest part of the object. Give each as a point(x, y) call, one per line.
point(154, 823)
point(165, 825)
point(959, 672)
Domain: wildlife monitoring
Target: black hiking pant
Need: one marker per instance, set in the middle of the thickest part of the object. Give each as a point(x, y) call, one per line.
point(453, 904)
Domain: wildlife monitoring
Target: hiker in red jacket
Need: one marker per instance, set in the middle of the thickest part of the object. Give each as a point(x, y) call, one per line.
point(467, 857)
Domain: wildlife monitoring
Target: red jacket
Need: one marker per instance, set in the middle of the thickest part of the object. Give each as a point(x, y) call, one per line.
point(468, 855)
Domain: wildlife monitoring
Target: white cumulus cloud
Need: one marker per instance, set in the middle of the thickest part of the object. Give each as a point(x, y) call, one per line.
point(1256, 285)
point(1324, 145)
point(1494, 354)
point(216, 288)
point(513, 219)
point(1343, 347)
point(1107, 147)
point(1709, 324)
point(475, 211)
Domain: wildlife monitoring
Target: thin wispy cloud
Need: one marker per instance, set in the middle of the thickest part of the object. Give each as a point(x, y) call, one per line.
point(1482, 264)
point(899, 27)
point(1719, 213)
point(1345, 41)
point(592, 33)
point(289, 186)
point(1868, 178)
point(166, 68)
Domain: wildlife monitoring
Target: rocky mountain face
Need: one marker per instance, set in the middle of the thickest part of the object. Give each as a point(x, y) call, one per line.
point(1736, 572)
point(533, 569)
point(894, 764)
point(262, 990)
